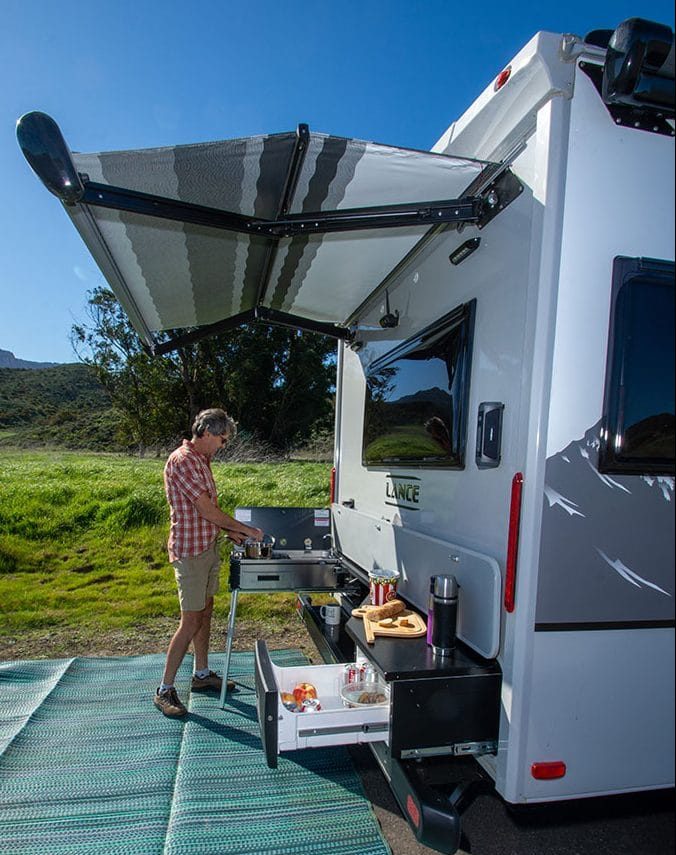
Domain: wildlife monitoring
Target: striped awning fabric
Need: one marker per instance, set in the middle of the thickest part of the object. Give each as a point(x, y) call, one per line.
point(172, 275)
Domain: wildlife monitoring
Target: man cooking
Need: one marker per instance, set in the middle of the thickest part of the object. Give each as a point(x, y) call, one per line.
point(196, 521)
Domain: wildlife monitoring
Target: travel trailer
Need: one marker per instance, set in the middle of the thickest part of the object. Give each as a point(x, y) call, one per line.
point(504, 311)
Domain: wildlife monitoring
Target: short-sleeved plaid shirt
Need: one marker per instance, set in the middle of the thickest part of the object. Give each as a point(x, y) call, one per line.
point(187, 475)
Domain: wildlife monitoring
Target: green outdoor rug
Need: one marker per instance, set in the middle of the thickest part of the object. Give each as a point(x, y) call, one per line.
point(88, 765)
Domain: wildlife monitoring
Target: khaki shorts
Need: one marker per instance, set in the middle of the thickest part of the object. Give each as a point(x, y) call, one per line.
point(197, 578)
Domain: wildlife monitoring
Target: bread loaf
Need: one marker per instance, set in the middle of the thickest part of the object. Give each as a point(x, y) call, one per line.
point(394, 607)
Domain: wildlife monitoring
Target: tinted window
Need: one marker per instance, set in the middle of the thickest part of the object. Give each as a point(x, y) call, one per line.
point(638, 419)
point(415, 411)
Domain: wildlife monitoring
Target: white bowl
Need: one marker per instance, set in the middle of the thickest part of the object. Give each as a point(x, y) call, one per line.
point(373, 693)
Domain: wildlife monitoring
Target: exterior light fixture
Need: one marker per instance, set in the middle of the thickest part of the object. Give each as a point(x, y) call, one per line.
point(502, 78)
point(464, 250)
point(390, 319)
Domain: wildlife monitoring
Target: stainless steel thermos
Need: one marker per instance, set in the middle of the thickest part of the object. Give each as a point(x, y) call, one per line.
point(430, 611)
point(445, 611)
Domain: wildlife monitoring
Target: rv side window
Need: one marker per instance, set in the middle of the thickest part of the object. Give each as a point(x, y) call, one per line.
point(637, 434)
point(415, 412)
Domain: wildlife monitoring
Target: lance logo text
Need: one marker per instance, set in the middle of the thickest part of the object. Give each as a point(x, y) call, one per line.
point(403, 492)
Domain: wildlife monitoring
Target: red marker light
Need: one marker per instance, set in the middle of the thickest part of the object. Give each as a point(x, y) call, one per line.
point(513, 541)
point(502, 78)
point(548, 771)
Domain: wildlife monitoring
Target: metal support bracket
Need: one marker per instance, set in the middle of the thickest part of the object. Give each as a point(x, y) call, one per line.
point(498, 195)
point(642, 119)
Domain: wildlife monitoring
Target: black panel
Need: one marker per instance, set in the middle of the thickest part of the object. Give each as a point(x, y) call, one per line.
point(291, 526)
point(411, 658)
point(444, 711)
point(489, 434)
point(266, 703)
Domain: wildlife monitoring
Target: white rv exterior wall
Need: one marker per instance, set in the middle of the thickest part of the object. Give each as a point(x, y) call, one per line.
point(542, 279)
point(601, 701)
point(468, 507)
point(513, 277)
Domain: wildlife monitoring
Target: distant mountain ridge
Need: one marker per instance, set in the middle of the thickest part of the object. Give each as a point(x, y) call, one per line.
point(8, 360)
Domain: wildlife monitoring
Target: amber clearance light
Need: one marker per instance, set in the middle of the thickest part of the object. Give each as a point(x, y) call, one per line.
point(332, 486)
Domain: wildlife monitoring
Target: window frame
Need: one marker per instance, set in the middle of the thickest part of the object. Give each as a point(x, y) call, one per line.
point(610, 460)
point(462, 317)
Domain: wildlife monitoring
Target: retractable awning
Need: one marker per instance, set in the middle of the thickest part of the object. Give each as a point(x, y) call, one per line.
point(298, 228)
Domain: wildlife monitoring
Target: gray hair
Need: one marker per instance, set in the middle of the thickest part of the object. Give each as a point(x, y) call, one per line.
point(216, 421)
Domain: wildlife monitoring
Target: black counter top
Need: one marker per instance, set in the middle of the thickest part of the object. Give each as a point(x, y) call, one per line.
point(410, 658)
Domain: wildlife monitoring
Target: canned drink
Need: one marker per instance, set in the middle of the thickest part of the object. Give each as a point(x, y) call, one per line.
point(351, 673)
point(311, 705)
point(368, 673)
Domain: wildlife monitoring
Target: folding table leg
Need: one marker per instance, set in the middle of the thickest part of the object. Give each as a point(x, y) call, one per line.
point(228, 644)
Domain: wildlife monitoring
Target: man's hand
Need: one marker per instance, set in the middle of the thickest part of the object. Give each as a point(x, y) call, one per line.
point(239, 537)
point(231, 526)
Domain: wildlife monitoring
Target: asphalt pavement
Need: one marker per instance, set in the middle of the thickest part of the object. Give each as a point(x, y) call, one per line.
point(632, 824)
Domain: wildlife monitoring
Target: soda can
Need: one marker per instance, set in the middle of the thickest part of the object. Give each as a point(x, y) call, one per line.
point(368, 673)
point(311, 705)
point(351, 673)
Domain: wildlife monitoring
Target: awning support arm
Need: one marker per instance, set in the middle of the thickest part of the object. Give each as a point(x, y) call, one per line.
point(282, 319)
point(145, 204)
point(162, 347)
point(467, 210)
point(262, 315)
point(47, 152)
point(295, 165)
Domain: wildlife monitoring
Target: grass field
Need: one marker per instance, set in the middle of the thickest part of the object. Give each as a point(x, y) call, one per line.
point(83, 536)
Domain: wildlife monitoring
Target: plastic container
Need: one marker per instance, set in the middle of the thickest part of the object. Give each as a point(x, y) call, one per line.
point(371, 693)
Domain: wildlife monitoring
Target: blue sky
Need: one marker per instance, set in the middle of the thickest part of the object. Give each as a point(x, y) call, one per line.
point(146, 73)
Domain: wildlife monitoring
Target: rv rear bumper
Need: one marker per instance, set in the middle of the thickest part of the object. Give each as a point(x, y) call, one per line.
point(434, 820)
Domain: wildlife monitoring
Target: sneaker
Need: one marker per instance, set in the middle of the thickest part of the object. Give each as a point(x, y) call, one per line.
point(168, 701)
point(211, 681)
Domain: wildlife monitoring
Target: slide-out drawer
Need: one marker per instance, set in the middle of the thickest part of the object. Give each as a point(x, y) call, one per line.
point(334, 724)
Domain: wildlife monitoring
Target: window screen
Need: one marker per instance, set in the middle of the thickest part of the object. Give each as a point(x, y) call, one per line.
point(637, 433)
point(415, 411)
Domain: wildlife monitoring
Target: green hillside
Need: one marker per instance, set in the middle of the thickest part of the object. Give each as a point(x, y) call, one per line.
point(64, 405)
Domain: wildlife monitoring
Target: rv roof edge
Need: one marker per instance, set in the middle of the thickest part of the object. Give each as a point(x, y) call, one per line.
point(537, 76)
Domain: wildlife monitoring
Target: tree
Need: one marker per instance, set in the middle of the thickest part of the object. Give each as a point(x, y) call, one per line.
point(276, 382)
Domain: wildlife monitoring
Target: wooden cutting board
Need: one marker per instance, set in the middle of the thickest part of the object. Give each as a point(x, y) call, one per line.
point(393, 627)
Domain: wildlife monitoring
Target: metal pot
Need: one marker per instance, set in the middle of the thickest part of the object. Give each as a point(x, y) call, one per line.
point(252, 548)
point(266, 546)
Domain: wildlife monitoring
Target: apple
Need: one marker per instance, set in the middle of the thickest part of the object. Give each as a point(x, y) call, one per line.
point(303, 691)
point(289, 701)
